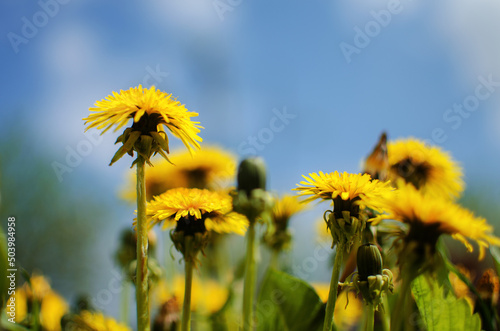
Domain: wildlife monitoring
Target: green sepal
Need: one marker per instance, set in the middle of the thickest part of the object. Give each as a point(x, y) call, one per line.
point(346, 215)
point(143, 147)
point(160, 140)
point(124, 136)
point(165, 156)
point(126, 147)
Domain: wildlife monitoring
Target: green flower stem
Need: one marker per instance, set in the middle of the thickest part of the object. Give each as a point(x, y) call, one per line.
point(250, 278)
point(124, 304)
point(384, 314)
point(141, 287)
point(334, 284)
point(274, 261)
point(399, 319)
point(36, 314)
point(370, 317)
point(188, 267)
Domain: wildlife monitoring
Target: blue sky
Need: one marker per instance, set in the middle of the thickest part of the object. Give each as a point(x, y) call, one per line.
point(259, 57)
point(238, 68)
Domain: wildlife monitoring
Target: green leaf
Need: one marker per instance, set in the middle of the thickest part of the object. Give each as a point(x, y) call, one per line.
point(440, 311)
point(5, 324)
point(442, 269)
point(288, 303)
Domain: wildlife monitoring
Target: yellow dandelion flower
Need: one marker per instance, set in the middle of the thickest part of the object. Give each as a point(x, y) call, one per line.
point(207, 296)
point(208, 211)
point(21, 300)
point(284, 208)
point(348, 191)
point(429, 216)
point(52, 309)
point(347, 310)
point(342, 185)
point(278, 236)
point(212, 295)
point(39, 288)
point(350, 195)
point(151, 110)
point(52, 305)
point(211, 168)
point(95, 321)
point(428, 168)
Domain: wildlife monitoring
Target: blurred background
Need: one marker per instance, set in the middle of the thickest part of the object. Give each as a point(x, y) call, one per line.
point(307, 85)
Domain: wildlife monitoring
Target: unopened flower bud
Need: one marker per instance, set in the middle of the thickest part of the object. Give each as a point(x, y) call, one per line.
point(371, 281)
point(252, 175)
point(369, 261)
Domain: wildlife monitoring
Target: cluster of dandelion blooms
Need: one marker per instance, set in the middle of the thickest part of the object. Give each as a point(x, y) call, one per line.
point(411, 184)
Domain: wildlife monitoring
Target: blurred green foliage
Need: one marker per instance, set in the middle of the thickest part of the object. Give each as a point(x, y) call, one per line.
point(56, 224)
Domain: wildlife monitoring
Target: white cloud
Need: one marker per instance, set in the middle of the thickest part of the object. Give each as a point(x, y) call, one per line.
point(70, 51)
point(470, 28)
point(193, 15)
point(75, 71)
